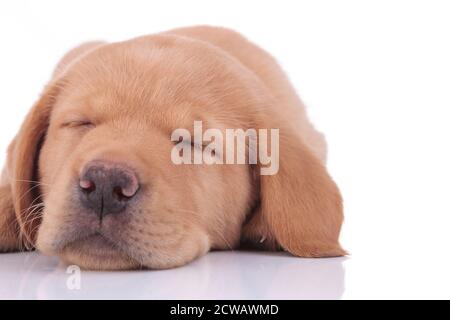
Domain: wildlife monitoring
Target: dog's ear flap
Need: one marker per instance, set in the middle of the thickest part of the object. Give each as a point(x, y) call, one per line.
point(300, 207)
point(10, 239)
point(23, 161)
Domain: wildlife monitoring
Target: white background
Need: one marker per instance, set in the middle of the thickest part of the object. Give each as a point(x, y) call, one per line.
point(375, 76)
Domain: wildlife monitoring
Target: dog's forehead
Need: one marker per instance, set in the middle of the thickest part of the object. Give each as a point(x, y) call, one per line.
point(114, 88)
point(150, 82)
point(110, 103)
point(117, 75)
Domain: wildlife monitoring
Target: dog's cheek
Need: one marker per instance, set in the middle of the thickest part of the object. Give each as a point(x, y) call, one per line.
point(56, 217)
point(48, 233)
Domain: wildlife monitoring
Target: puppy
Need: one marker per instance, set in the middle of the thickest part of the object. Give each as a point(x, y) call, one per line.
point(89, 176)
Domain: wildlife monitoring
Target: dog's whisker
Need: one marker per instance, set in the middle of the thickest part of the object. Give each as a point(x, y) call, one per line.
point(34, 182)
point(28, 191)
point(38, 198)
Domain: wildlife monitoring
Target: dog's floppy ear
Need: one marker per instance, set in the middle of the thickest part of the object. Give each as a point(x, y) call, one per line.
point(18, 188)
point(22, 165)
point(300, 208)
point(9, 228)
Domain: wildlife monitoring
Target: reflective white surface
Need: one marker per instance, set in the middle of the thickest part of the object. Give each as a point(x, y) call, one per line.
point(375, 78)
point(218, 275)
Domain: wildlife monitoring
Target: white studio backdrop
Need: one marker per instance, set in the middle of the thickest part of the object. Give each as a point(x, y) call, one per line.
point(375, 76)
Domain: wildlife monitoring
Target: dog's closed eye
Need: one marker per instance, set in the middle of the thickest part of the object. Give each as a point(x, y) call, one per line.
point(190, 143)
point(86, 124)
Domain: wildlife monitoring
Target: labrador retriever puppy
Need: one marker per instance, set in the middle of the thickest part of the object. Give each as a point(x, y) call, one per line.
point(89, 176)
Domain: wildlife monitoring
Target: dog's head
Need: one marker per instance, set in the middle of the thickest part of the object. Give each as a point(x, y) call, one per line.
point(92, 178)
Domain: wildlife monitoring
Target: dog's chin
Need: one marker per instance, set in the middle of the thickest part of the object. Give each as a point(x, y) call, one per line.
point(97, 253)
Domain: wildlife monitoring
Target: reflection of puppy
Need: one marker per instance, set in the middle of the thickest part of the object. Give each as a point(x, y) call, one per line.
point(89, 176)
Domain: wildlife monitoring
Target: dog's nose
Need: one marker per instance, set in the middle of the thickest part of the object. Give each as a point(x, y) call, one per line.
point(107, 188)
